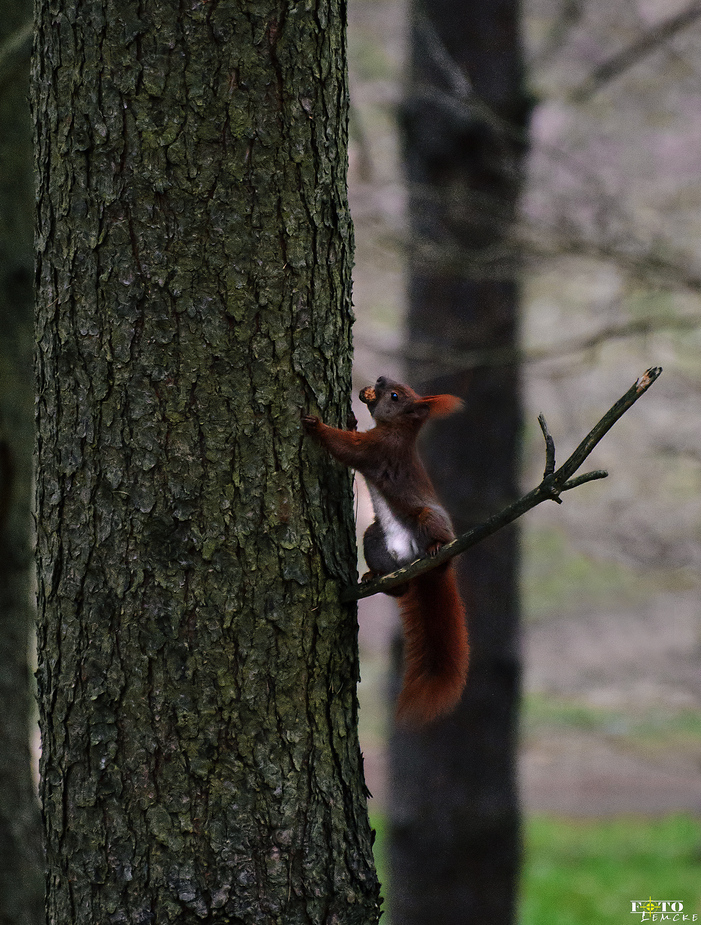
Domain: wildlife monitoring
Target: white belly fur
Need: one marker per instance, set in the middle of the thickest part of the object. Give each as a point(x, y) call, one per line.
point(400, 542)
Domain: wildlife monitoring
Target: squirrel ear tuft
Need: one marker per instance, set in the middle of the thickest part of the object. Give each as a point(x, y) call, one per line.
point(439, 406)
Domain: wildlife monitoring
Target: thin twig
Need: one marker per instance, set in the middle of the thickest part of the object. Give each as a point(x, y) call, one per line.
point(552, 486)
point(549, 447)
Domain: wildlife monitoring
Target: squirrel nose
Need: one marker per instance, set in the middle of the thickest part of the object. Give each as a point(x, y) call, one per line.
point(381, 382)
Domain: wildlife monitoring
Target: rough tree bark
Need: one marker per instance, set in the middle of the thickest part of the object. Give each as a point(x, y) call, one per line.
point(196, 670)
point(454, 811)
point(21, 880)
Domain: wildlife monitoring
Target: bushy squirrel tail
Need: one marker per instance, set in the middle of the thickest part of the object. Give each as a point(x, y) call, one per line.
point(436, 649)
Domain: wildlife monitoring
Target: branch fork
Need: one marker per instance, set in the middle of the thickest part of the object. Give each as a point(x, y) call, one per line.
point(554, 482)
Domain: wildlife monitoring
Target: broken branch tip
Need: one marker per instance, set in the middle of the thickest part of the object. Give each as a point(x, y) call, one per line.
point(647, 378)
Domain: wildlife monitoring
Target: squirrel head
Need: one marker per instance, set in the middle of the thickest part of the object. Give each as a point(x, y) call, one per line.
point(392, 402)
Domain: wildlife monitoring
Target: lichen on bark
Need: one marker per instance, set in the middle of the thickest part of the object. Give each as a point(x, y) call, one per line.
point(197, 672)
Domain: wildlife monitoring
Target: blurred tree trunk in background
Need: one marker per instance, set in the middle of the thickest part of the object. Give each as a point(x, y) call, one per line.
point(21, 870)
point(454, 822)
point(196, 670)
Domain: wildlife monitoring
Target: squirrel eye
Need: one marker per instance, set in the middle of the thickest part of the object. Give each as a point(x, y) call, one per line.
point(394, 396)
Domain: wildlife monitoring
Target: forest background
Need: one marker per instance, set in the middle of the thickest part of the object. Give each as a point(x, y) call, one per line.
point(609, 227)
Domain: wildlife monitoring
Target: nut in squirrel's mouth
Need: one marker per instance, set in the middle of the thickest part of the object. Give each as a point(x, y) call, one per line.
point(367, 395)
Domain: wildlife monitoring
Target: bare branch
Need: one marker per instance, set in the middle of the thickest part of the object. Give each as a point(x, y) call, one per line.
point(553, 484)
point(549, 447)
point(430, 354)
point(627, 57)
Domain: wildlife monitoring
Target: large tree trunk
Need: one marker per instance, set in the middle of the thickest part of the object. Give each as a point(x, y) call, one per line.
point(21, 880)
point(196, 671)
point(454, 808)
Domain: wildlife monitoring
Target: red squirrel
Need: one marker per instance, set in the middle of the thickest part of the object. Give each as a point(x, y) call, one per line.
point(409, 524)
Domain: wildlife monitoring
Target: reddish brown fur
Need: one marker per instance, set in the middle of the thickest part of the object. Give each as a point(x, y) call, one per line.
point(436, 651)
point(441, 406)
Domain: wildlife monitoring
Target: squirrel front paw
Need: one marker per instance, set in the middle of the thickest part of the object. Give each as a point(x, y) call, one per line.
point(310, 423)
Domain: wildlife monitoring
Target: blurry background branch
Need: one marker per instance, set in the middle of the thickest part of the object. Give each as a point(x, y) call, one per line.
point(446, 359)
point(632, 54)
point(15, 52)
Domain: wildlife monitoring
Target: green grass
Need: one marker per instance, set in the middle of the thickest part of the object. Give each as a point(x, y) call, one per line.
point(377, 821)
point(558, 579)
point(652, 729)
point(586, 872)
